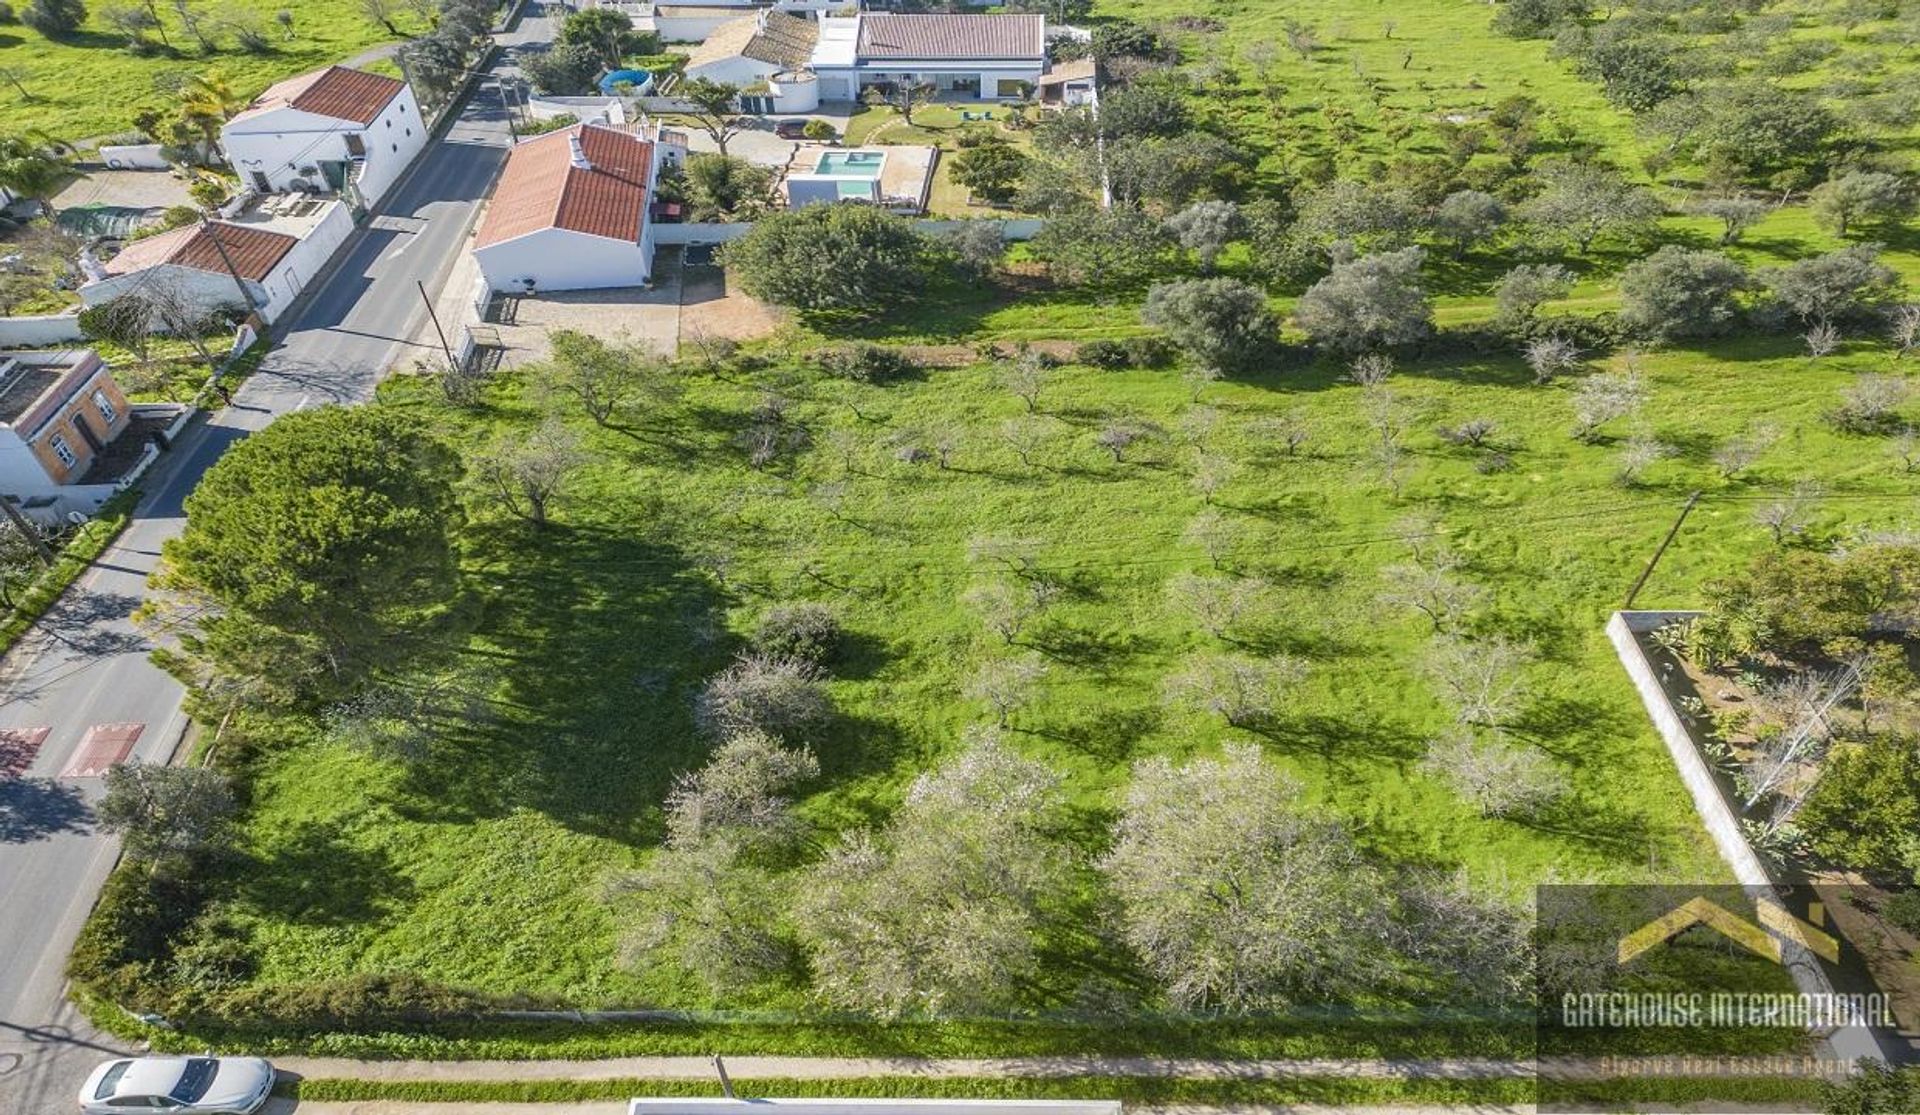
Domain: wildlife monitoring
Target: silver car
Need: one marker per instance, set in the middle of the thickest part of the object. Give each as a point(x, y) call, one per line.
point(190, 1085)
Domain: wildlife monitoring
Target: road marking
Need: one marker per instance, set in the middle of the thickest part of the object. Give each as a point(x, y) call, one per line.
point(18, 746)
point(304, 400)
point(105, 745)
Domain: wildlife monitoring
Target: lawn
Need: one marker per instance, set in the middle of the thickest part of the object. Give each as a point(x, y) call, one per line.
point(89, 85)
point(481, 865)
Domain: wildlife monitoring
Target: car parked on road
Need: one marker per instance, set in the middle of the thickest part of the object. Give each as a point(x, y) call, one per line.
point(189, 1085)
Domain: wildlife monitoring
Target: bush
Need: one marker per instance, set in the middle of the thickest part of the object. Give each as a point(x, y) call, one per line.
point(125, 946)
point(1903, 910)
point(1150, 350)
point(867, 363)
point(370, 1000)
point(765, 693)
point(7, 14)
point(805, 631)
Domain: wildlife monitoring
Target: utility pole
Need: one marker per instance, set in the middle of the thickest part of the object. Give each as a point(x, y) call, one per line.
point(213, 234)
point(1672, 532)
point(506, 106)
point(435, 318)
point(32, 533)
point(726, 1082)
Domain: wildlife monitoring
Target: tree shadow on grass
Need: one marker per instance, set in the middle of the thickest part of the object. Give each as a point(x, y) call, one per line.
point(600, 638)
point(1339, 742)
point(1109, 736)
point(1577, 731)
point(309, 876)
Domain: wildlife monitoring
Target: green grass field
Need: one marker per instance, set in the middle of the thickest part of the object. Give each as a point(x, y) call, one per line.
point(481, 865)
point(89, 85)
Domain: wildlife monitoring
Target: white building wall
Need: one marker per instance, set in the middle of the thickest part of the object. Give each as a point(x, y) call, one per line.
point(209, 290)
point(394, 139)
point(304, 260)
point(21, 473)
point(279, 142)
point(734, 71)
point(556, 259)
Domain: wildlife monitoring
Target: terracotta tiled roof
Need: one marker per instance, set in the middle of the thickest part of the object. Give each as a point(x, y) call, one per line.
point(952, 36)
point(768, 36)
point(336, 91)
point(541, 188)
point(254, 251)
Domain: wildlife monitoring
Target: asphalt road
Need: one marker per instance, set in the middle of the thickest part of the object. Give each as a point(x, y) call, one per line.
point(86, 665)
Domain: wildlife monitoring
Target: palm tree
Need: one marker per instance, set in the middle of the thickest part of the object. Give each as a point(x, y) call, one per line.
point(205, 104)
point(31, 165)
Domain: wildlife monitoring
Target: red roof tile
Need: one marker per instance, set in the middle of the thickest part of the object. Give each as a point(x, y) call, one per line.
point(336, 91)
point(541, 188)
point(253, 251)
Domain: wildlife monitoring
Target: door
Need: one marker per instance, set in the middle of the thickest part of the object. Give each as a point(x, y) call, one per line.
point(86, 432)
point(260, 182)
point(356, 146)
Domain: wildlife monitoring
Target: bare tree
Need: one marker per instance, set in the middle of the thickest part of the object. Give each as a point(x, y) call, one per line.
point(605, 380)
point(1550, 356)
point(707, 910)
point(1790, 515)
point(1025, 377)
point(1431, 589)
point(1497, 778)
point(1472, 433)
point(1871, 403)
point(1211, 472)
point(1906, 446)
point(1234, 896)
point(1240, 690)
point(1289, 431)
point(1606, 397)
point(1118, 435)
point(1822, 340)
point(1025, 437)
point(1197, 425)
point(1739, 453)
point(1370, 369)
point(738, 793)
point(1004, 608)
point(1216, 604)
point(1007, 685)
point(1904, 329)
point(1641, 452)
point(1482, 681)
point(762, 693)
point(1212, 532)
point(526, 474)
point(1007, 553)
point(940, 911)
point(1481, 945)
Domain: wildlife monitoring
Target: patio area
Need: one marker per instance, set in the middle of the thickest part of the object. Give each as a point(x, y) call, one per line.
point(905, 172)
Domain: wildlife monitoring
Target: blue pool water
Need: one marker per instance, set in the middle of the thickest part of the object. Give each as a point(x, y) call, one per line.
point(850, 164)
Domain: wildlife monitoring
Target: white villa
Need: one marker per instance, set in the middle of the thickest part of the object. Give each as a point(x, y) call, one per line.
point(573, 210)
point(787, 63)
point(332, 130)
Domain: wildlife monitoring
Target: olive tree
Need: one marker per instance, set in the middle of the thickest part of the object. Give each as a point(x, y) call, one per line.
point(165, 812)
point(1224, 324)
point(854, 259)
point(1578, 202)
point(1861, 197)
point(1736, 214)
point(1520, 293)
point(1234, 896)
point(1205, 228)
point(939, 910)
point(1468, 218)
point(1838, 286)
point(1372, 302)
point(1681, 292)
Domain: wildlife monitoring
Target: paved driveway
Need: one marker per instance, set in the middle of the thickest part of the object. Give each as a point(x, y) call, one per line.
point(648, 315)
point(131, 189)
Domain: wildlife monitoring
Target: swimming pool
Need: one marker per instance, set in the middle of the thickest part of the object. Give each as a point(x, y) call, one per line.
point(850, 164)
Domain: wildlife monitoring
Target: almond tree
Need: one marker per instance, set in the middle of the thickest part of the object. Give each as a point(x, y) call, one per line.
point(1235, 897)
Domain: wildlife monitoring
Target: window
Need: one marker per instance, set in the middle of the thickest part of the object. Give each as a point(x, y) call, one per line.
point(195, 1079)
point(105, 406)
point(389, 124)
point(63, 451)
point(111, 1079)
point(396, 148)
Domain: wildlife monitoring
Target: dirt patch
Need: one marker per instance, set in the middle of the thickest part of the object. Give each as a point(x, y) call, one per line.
point(712, 307)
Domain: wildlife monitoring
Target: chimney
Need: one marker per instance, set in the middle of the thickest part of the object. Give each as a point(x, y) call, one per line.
point(579, 157)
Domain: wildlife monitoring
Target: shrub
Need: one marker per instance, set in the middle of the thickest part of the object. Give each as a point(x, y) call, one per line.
point(1147, 351)
point(125, 947)
point(762, 692)
point(867, 363)
point(371, 999)
point(806, 631)
point(1903, 910)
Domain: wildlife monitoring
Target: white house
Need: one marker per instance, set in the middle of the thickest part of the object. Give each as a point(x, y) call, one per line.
point(330, 130)
point(748, 50)
point(981, 56)
point(785, 63)
point(571, 211)
point(260, 264)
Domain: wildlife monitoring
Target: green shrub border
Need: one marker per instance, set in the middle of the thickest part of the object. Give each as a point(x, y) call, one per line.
point(1133, 1089)
point(80, 552)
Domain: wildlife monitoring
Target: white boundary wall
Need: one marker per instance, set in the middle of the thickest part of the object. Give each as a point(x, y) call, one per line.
point(714, 1106)
point(1849, 1042)
point(40, 330)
